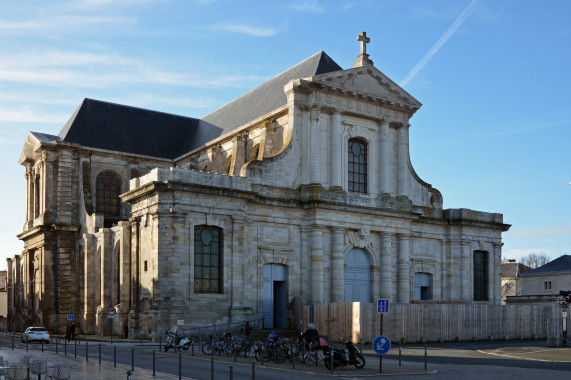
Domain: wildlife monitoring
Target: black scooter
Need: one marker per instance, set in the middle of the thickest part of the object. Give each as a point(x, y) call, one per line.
point(340, 358)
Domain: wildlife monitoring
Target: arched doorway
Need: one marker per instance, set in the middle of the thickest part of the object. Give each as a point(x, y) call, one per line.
point(357, 276)
point(275, 296)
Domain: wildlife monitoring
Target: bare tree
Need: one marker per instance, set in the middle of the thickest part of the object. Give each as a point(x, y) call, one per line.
point(535, 260)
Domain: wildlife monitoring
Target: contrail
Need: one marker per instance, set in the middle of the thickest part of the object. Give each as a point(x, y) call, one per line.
point(434, 49)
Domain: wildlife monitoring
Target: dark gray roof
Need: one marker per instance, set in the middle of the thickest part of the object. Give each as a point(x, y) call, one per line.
point(269, 95)
point(561, 264)
point(116, 127)
point(44, 137)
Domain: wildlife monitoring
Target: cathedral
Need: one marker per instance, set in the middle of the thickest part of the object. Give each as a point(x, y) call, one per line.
point(301, 191)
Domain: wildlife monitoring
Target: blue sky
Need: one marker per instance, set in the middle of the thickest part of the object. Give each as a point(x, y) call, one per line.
point(493, 76)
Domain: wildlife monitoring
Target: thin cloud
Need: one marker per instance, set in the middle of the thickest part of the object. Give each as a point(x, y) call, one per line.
point(244, 29)
point(63, 22)
point(28, 115)
point(445, 37)
point(558, 231)
point(311, 6)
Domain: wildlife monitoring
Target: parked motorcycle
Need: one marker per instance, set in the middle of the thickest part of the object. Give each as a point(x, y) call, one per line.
point(340, 357)
point(176, 341)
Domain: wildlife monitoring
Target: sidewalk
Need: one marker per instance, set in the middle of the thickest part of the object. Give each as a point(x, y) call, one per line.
point(82, 370)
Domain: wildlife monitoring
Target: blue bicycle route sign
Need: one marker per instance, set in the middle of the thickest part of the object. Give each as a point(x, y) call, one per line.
point(381, 345)
point(382, 306)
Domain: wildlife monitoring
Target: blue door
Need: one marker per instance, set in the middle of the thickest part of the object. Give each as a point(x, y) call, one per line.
point(357, 276)
point(275, 296)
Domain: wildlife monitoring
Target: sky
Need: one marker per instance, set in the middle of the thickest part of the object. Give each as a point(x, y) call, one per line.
point(493, 133)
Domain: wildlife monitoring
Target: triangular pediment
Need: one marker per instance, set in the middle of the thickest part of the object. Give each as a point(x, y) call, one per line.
point(368, 82)
point(31, 150)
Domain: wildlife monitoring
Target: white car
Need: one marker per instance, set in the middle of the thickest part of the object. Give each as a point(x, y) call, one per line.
point(39, 334)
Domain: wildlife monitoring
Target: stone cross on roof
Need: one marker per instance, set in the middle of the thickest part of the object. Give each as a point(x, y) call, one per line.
point(363, 58)
point(364, 41)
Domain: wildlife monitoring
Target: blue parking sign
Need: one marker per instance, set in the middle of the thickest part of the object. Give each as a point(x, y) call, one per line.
point(382, 306)
point(70, 317)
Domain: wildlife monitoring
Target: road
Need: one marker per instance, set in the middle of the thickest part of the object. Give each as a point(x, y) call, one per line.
point(467, 360)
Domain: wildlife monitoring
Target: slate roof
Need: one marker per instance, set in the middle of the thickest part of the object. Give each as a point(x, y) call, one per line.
point(514, 269)
point(561, 264)
point(269, 95)
point(116, 127)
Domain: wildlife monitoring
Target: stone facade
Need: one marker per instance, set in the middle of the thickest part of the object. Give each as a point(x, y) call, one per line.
point(275, 192)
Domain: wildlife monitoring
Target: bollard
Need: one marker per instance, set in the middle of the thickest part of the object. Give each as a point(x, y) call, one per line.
point(115, 356)
point(86, 351)
point(192, 352)
point(65, 347)
point(425, 358)
point(160, 343)
point(231, 373)
point(253, 370)
point(400, 353)
point(129, 373)
point(154, 363)
point(12, 342)
point(26, 343)
point(99, 353)
point(179, 366)
point(132, 358)
point(331, 360)
point(57, 341)
point(42, 345)
point(75, 349)
point(212, 368)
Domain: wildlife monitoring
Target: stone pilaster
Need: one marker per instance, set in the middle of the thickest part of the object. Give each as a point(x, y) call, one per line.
point(316, 276)
point(386, 270)
point(337, 266)
point(90, 290)
point(495, 283)
point(402, 157)
point(466, 273)
point(384, 158)
point(404, 268)
point(336, 147)
point(238, 262)
point(315, 165)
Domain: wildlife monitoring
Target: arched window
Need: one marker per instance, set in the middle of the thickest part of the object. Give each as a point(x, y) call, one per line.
point(107, 197)
point(357, 166)
point(207, 259)
point(480, 276)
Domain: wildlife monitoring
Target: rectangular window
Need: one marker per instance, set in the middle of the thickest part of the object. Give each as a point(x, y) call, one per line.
point(480, 276)
point(145, 265)
point(207, 260)
point(547, 286)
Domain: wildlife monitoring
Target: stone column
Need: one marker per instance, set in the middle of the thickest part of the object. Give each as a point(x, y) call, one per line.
point(404, 269)
point(384, 158)
point(336, 154)
point(316, 274)
point(402, 174)
point(386, 269)
point(315, 146)
point(337, 266)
